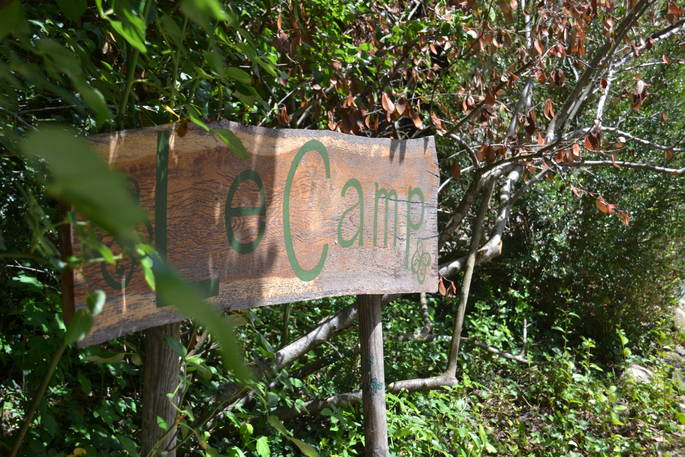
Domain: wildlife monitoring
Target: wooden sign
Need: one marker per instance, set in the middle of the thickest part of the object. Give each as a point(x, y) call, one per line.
point(303, 215)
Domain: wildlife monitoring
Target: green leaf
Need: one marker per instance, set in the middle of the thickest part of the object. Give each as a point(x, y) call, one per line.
point(680, 417)
point(73, 9)
point(172, 31)
point(198, 122)
point(231, 140)
point(305, 448)
point(235, 451)
point(263, 447)
point(246, 430)
point(96, 301)
point(79, 326)
point(176, 345)
point(161, 423)
point(107, 254)
point(96, 101)
point(146, 263)
point(81, 177)
point(11, 17)
point(237, 74)
point(131, 28)
point(184, 297)
point(115, 358)
point(2, 242)
point(204, 11)
point(129, 446)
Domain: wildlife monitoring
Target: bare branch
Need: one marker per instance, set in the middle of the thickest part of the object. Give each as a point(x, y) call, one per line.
point(524, 103)
point(465, 145)
point(466, 283)
point(632, 137)
point(655, 37)
point(622, 164)
point(493, 247)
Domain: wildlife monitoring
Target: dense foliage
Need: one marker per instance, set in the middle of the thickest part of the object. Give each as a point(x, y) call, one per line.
point(572, 111)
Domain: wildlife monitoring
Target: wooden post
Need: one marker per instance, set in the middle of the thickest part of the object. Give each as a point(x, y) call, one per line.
point(373, 376)
point(161, 376)
point(162, 364)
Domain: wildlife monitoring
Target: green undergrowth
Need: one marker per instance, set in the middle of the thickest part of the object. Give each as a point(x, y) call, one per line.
point(564, 402)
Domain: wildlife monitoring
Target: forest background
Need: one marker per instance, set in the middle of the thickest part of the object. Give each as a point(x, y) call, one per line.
point(559, 128)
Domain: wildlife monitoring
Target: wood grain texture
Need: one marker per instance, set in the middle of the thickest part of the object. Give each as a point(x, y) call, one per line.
point(373, 376)
point(297, 202)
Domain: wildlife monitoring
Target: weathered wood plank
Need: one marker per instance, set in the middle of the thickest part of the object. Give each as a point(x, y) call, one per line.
point(307, 214)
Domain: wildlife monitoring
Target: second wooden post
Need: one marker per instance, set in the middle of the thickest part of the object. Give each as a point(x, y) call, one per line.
point(373, 376)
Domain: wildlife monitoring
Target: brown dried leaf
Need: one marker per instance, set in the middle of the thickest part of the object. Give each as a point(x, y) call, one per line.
point(441, 287)
point(349, 101)
point(576, 191)
point(548, 109)
point(624, 217)
point(388, 105)
point(182, 128)
point(416, 119)
point(283, 117)
point(604, 207)
point(401, 105)
point(640, 87)
point(482, 152)
point(455, 170)
point(438, 123)
point(539, 48)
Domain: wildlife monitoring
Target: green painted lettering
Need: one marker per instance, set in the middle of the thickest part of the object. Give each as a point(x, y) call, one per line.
point(388, 195)
point(242, 211)
point(360, 203)
point(305, 275)
point(412, 226)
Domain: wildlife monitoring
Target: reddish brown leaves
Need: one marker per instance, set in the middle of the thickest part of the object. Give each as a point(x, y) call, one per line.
point(283, 117)
point(548, 109)
point(490, 153)
point(182, 128)
point(569, 155)
point(593, 141)
point(640, 94)
point(388, 105)
point(401, 105)
point(539, 48)
point(455, 170)
point(444, 289)
point(604, 207)
point(438, 124)
point(611, 209)
point(349, 102)
point(624, 217)
point(673, 11)
point(416, 119)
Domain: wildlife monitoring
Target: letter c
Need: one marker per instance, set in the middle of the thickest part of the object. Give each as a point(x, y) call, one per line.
point(304, 275)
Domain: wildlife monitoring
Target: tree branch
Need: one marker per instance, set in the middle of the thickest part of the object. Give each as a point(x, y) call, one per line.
point(622, 164)
point(493, 247)
point(476, 236)
point(596, 66)
point(655, 37)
